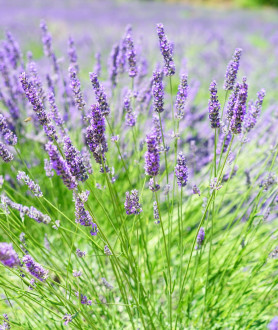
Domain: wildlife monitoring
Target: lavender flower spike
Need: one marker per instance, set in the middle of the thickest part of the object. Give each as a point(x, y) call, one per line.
point(100, 94)
point(132, 205)
point(5, 154)
point(75, 87)
point(95, 135)
point(158, 92)
point(152, 157)
point(74, 160)
point(254, 110)
point(34, 187)
point(200, 238)
point(113, 65)
point(273, 324)
point(60, 166)
point(181, 97)
point(81, 215)
point(214, 106)
point(72, 54)
point(8, 256)
point(181, 170)
point(9, 137)
point(166, 51)
point(240, 108)
point(34, 268)
point(131, 56)
point(232, 69)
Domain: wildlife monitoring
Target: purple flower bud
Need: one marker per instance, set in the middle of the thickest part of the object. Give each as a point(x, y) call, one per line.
point(158, 92)
point(100, 95)
point(34, 187)
point(130, 119)
point(166, 51)
point(254, 110)
point(131, 56)
point(200, 238)
point(80, 254)
point(94, 230)
point(132, 205)
point(74, 160)
point(214, 106)
point(81, 215)
point(35, 268)
point(155, 213)
point(54, 111)
point(273, 324)
point(232, 69)
point(48, 169)
point(152, 156)
point(60, 166)
point(8, 256)
point(67, 318)
point(107, 250)
point(113, 65)
point(181, 170)
point(5, 154)
point(153, 186)
point(181, 97)
point(196, 190)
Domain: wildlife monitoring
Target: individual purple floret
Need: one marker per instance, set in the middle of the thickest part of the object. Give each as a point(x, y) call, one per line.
point(5, 154)
point(166, 51)
point(81, 215)
point(158, 92)
point(239, 109)
point(97, 68)
point(72, 54)
point(181, 97)
point(181, 170)
point(131, 55)
point(38, 107)
point(95, 135)
point(60, 166)
point(8, 256)
point(152, 156)
point(232, 69)
point(100, 94)
point(196, 190)
point(9, 137)
point(200, 238)
point(153, 186)
point(75, 87)
point(113, 65)
point(273, 324)
point(35, 268)
point(254, 111)
point(34, 187)
point(67, 318)
point(132, 205)
point(94, 230)
point(74, 160)
point(214, 106)
point(80, 254)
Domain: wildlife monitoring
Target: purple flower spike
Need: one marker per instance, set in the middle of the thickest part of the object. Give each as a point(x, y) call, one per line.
point(94, 230)
point(232, 69)
point(75, 87)
point(181, 97)
point(8, 256)
point(81, 215)
point(132, 205)
point(273, 324)
point(131, 55)
point(5, 154)
point(60, 166)
point(34, 187)
point(72, 54)
point(113, 65)
point(95, 135)
point(254, 110)
point(181, 170)
point(100, 95)
point(9, 137)
point(35, 268)
point(158, 92)
point(74, 160)
point(239, 109)
point(166, 51)
point(214, 106)
point(200, 238)
point(152, 157)
point(67, 318)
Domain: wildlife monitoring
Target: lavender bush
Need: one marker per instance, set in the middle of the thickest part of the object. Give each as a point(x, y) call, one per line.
point(142, 195)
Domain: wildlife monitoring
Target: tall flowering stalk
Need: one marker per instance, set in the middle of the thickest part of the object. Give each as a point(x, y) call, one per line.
point(158, 92)
point(254, 110)
point(72, 54)
point(152, 156)
point(100, 94)
point(131, 55)
point(166, 51)
point(34, 187)
point(181, 170)
point(132, 205)
point(76, 89)
point(113, 72)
